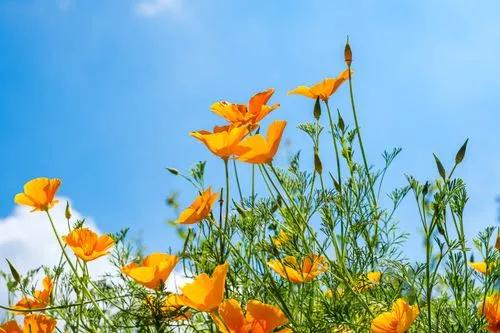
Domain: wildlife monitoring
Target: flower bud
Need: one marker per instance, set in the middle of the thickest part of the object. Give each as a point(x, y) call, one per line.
point(317, 109)
point(348, 54)
point(67, 211)
point(318, 166)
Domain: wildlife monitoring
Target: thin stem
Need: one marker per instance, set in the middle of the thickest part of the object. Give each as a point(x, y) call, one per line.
point(237, 181)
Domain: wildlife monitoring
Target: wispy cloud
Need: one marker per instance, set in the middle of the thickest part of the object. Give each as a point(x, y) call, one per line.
point(151, 8)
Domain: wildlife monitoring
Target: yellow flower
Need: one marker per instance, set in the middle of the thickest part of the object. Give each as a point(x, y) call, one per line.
point(305, 271)
point(372, 279)
point(153, 271)
point(341, 329)
point(40, 299)
point(87, 245)
point(223, 141)
point(257, 149)
point(259, 318)
point(492, 312)
point(39, 193)
point(199, 208)
point(239, 114)
point(33, 323)
point(205, 293)
point(324, 89)
point(482, 267)
point(339, 292)
point(398, 320)
point(281, 239)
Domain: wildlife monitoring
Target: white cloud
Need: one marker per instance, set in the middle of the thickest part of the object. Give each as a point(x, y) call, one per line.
point(154, 7)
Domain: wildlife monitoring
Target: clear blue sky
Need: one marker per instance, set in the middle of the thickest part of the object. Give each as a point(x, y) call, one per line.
point(103, 93)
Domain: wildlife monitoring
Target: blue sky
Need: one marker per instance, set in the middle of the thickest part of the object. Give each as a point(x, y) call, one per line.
point(103, 93)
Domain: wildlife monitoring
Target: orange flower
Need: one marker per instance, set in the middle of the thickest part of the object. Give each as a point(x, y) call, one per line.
point(256, 149)
point(398, 320)
point(239, 114)
point(492, 312)
point(39, 193)
point(173, 304)
point(10, 326)
point(324, 89)
point(482, 267)
point(40, 299)
point(153, 271)
point(372, 279)
point(291, 269)
point(259, 318)
point(199, 208)
point(87, 245)
point(205, 293)
point(33, 323)
point(224, 140)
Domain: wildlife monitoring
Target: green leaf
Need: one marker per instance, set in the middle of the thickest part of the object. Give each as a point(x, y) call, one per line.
point(461, 152)
point(440, 167)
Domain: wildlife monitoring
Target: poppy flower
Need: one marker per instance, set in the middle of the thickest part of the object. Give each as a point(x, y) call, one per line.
point(40, 299)
point(205, 293)
point(257, 150)
point(371, 280)
point(153, 271)
point(199, 208)
point(305, 271)
point(33, 323)
point(482, 267)
point(492, 312)
point(39, 193)
point(240, 114)
point(259, 317)
point(398, 320)
point(87, 245)
point(223, 141)
point(281, 239)
point(322, 90)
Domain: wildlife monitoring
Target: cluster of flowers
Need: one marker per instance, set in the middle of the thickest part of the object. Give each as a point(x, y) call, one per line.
point(239, 139)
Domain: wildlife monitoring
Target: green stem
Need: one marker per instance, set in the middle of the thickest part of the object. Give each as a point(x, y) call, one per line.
point(237, 181)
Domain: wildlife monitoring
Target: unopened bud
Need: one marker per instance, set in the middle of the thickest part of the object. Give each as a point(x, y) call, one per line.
point(173, 171)
point(318, 166)
point(347, 53)
point(317, 109)
point(67, 211)
point(497, 243)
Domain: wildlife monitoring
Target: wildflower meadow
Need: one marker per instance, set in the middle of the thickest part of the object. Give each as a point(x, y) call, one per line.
point(318, 251)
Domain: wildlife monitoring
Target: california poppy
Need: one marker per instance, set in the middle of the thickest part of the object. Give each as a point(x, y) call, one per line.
point(205, 293)
point(492, 312)
point(199, 208)
point(240, 114)
point(482, 267)
point(153, 270)
point(87, 245)
point(257, 150)
point(398, 320)
point(33, 323)
point(40, 299)
point(223, 141)
point(259, 317)
point(281, 239)
point(39, 193)
point(324, 89)
point(305, 271)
